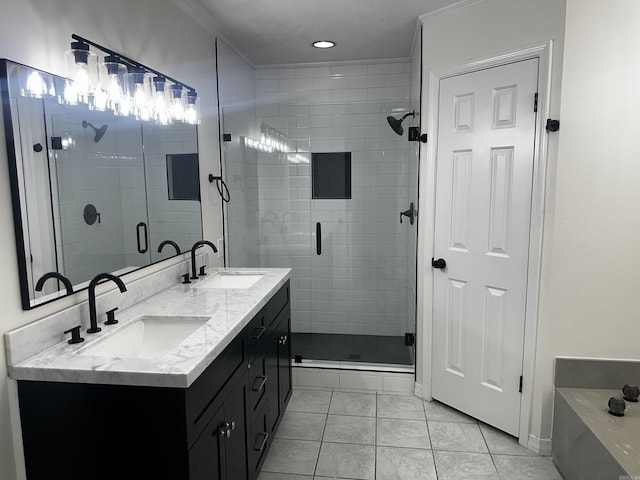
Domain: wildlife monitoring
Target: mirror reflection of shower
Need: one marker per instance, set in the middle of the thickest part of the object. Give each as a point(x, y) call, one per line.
point(98, 131)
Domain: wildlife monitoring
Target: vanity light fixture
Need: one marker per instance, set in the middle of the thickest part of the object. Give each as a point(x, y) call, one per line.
point(324, 44)
point(119, 84)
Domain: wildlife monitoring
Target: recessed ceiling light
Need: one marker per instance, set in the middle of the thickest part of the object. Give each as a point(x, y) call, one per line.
point(324, 44)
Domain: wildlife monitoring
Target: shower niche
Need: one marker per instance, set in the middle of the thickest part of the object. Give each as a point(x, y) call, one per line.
point(92, 191)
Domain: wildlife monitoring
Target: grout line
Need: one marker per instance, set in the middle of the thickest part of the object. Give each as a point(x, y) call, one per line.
point(485, 439)
point(375, 447)
point(322, 437)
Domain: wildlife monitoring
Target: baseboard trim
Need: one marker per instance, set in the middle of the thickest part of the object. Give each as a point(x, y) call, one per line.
point(417, 390)
point(539, 446)
point(385, 382)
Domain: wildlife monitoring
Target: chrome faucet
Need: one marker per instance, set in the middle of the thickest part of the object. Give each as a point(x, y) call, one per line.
point(194, 274)
point(169, 242)
point(94, 328)
point(59, 276)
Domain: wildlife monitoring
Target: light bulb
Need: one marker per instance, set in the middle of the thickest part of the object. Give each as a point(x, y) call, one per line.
point(177, 103)
point(82, 71)
point(100, 100)
point(36, 87)
point(83, 85)
point(192, 111)
point(114, 90)
point(140, 93)
point(161, 106)
point(190, 115)
point(113, 75)
point(70, 93)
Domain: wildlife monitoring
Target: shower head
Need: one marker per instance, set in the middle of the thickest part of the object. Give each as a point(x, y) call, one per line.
point(396, 124)
point(98, 131)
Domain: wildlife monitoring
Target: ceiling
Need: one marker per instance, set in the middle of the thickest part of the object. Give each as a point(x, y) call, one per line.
point(270, 32)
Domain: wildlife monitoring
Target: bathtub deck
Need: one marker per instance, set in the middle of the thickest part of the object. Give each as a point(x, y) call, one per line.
point(590, 443)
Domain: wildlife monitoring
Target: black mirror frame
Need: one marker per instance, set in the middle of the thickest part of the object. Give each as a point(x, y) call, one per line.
point(15, 190)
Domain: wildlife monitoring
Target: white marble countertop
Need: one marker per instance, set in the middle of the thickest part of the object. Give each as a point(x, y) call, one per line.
point(230, 311)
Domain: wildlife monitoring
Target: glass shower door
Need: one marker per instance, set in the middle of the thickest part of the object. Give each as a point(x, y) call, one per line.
point(98, 183)
point(362, 260)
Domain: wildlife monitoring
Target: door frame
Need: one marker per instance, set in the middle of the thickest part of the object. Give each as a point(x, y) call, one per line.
point(426, 235)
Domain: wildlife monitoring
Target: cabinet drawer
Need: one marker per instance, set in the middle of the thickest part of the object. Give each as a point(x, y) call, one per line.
point(277, 303)
point(256, 331)
point(259, 441)
point(258, 380)
point(200, 397)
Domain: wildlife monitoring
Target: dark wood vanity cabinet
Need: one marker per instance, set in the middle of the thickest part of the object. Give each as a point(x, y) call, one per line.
point(220, 428)
point(220, 451)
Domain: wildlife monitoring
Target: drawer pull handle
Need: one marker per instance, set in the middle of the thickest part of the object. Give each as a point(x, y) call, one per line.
point(263, 444)
point(260, 331)
point(227, 428)
point(262, 383)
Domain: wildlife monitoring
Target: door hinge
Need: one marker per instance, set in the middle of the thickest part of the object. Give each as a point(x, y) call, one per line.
point(520, 388)
point(535, 103)
point(409, 339)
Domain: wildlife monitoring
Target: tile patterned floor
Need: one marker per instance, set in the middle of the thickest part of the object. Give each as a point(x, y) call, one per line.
point(367, 436)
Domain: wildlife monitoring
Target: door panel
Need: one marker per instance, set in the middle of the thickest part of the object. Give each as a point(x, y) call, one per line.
point(483, 200)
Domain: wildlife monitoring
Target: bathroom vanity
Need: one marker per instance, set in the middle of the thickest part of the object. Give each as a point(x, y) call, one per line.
point(204, 408)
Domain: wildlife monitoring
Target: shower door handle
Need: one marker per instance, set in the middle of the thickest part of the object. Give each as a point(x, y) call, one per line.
point(146, 237)
point(318, 239)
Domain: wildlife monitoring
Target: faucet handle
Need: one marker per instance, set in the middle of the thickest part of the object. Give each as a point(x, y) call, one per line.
point(202, 272)
point(111, 317)
point(75, 334)
point(185, 278)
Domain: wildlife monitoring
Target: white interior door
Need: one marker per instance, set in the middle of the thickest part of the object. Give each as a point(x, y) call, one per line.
point(485, 154)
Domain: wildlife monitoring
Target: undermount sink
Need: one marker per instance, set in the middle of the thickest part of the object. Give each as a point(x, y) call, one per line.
point(237, 279)
point(148, 336)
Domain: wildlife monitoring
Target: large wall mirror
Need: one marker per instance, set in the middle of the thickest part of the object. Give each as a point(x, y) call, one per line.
point(92, 191)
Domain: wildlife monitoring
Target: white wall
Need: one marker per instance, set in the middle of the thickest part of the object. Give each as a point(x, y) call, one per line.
point(589, 304)
point(483, 30)
point(37, 33)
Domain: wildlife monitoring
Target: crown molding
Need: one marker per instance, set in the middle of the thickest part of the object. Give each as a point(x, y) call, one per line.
point(338, 63)
point(448, 9)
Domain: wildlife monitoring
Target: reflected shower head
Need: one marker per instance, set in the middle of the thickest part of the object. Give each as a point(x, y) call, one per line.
point(396, 124)
point(98, 131)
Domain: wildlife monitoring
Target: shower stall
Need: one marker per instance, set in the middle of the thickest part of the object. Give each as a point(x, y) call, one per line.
point(320, 183)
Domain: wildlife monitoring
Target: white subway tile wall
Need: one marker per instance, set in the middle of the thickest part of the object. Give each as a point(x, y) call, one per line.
point(177, 220)
point(111, 175)
point(361, 282)
point(86, 176)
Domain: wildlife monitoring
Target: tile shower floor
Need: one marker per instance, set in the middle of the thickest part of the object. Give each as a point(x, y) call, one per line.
point(355, 435)
point(351, 348)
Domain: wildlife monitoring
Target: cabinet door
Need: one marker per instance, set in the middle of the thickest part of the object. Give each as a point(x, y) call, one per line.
point(284, 358)
point(206, 457)
point(235, 411)
point(272, 385)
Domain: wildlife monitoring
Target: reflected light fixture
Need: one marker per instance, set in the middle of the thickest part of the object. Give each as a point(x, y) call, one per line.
point(161, 101)
point(36, 87)
point(324, 44)
point(119, 84)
